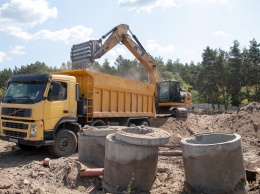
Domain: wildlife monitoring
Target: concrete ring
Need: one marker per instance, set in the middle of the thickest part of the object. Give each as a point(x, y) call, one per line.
point(143, 136)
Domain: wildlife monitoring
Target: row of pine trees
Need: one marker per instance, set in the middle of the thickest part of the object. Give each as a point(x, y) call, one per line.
point(222, 77)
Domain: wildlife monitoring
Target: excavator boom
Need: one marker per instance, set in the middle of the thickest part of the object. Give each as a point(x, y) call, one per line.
point(84, 54)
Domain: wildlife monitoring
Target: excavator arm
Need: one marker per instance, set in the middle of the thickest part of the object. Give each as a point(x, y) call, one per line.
point(84, 54)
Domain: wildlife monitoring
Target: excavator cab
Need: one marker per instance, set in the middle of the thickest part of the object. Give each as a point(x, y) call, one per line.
point(169, 91)
point(172, 98)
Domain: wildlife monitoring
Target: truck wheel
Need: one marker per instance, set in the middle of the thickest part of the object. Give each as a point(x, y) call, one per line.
point(131, 124)
point(98, 122)
point(145, 123)
point(65, 143)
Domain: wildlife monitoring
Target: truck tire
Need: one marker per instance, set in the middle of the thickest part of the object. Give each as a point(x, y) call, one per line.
point(98, 122)
point(145, 123)
point(130, 124)
point(65, 143)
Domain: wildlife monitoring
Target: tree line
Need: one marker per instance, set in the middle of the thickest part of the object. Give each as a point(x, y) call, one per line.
point(230, 76)
point(222, 77)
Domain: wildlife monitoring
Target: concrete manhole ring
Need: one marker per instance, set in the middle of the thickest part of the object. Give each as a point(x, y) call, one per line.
point(98, 131)
point(143, 136)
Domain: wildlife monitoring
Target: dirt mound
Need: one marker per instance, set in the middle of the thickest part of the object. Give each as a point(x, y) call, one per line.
point(251, 107)
point(245, 122)
point(61, 176)
point(23, 172)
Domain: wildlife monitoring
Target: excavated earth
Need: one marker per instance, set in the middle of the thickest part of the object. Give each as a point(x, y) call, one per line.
point(23, 171)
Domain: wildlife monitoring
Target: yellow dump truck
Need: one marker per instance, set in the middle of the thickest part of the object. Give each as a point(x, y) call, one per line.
point(49, 109)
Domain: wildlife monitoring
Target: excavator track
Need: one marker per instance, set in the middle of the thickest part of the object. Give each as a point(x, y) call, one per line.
point(179, 112)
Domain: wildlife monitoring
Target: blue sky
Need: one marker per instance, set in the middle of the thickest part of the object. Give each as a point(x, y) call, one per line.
point(45, 30)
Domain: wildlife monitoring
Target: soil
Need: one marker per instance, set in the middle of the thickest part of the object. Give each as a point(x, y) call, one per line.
point(23, 171)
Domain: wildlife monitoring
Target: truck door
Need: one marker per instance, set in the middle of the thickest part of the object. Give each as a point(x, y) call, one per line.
point(56, 105)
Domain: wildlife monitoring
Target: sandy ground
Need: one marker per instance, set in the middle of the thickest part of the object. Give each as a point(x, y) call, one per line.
point(23, 172)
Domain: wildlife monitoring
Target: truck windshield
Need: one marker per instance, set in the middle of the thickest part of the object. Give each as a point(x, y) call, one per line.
point(25, 92)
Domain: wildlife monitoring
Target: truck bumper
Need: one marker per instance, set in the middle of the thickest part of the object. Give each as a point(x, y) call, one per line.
point(27, 142)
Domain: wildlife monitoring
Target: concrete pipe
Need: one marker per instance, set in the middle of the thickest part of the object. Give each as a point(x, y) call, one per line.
point(132, 165)
point(92, 143)
point(213, 164)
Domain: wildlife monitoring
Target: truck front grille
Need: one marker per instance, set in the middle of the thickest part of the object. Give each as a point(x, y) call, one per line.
point(15, 125)
point(18, 112)
point(14, 134)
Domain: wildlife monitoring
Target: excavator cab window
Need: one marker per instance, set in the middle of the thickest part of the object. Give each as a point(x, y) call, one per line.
point(175, 91)
point(169, 91)
point(164, 92)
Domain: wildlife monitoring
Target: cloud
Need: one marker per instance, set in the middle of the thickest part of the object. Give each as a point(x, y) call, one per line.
point(154, 46)
point(113, 53)
point(17, 32)
point(221, 34)
point(207, 1)
point(74, 34)
point(19, 15)
point(117, 51)
point(18, 50)
point(190, 52)
point(24, 13)
point(149, 5)
point(146, 5)
point(120, 51)
point(3, 57)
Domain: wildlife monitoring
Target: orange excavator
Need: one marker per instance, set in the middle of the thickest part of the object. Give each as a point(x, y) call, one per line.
point(170, 98)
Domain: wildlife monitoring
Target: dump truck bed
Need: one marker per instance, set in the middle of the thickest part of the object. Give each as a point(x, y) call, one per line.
point(112, 96)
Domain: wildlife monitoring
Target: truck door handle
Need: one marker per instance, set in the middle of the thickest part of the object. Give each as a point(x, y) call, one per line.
point(65, 111)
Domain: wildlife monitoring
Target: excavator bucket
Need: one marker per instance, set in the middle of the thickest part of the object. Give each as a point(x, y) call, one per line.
point(82, 55)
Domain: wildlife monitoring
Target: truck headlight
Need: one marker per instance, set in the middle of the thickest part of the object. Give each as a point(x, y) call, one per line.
point(33, 130)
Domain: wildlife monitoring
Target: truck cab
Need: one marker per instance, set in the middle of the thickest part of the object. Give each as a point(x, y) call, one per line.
point(40, 109)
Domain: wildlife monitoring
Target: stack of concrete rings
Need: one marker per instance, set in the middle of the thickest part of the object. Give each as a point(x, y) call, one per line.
point(131, 158)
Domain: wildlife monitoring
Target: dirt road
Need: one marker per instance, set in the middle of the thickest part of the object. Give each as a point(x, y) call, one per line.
point(23, 172)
